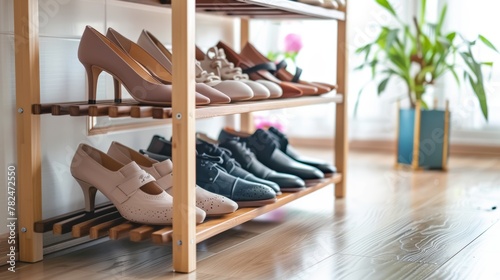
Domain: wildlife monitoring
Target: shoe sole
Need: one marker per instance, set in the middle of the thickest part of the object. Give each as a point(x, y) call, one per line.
point(329, 175)
point(256, 203)
point(292, 189)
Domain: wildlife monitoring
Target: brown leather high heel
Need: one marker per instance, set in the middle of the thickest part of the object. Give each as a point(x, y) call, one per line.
point(252, 54)
point(260, 72)
point(97, 53)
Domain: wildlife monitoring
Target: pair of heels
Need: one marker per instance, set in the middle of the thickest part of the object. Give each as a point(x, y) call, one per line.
point(234, 90)
point(215, 61)
point(139, 187)
point(259, 67)
point(146, 75)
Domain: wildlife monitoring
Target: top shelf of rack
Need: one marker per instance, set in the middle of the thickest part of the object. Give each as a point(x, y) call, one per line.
point(276, 9)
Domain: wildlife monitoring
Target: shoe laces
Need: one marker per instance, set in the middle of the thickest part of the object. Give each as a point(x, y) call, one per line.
point(211, 162)
point(279, 136)
point(209, 78)
point(225, 69)
point(230, 161)
point(224, 154)
point(246, 150)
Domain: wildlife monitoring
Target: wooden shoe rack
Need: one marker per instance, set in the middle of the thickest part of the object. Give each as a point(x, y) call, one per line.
point(184, 233)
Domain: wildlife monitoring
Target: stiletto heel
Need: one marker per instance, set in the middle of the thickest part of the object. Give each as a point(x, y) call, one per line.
point(92, 76)
point(118, 90)
point(98, 52)
point(89, 192)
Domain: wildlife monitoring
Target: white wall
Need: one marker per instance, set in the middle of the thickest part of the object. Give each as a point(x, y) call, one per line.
point(376, 115)
point(375, 118)
point(63, 79)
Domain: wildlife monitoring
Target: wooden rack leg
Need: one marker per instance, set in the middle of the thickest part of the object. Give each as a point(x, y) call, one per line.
point(341, 118)
point(29, 195)
point(246, 119)
point(247, 123)
point(244, 32)
point(183, 130)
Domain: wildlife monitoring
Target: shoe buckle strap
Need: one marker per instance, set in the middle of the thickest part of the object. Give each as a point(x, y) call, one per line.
point(130, 185)
point(166, 182)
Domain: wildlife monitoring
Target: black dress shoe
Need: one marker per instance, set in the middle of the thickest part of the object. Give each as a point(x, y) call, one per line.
point(247, 160)
point(267, 152)
point(213, 178)
point(230, 164)
point(284, 146)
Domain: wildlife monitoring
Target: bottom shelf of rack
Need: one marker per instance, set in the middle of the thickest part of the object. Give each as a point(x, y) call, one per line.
point(107, 221)
point(215, 226)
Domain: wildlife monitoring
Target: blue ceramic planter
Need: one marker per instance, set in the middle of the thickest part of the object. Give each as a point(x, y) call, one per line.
point(430, 137)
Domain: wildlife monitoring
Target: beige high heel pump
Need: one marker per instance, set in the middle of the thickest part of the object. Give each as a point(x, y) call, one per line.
point(161, 73)
point(97, 53)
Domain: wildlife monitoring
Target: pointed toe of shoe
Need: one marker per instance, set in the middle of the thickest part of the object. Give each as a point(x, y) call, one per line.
point(290, 90)
point(236, 90)
point(200, 215)
point(320, 88)
point(307, 89)
point(214, 204)
point(287, 182)
point(201, 99)
point(215, 96)
point(275, 90)
point(259, 90)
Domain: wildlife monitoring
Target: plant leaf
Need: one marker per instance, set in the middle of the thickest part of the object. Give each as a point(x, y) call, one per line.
point(391, 38)
point(387, 6)
point(381, 87)
point(451, 36)
point(424, 105)
point(363, 48)
point(480, 92)
point(423, 7)
point(440, 23)
point(489, 63)
point(487, 43)
point(455, 75)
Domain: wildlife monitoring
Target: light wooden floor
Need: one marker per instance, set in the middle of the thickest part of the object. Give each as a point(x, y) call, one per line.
point(392, 225)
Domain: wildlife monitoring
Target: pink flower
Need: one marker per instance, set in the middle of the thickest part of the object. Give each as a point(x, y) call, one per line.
point(293, 43)
point(265, 123)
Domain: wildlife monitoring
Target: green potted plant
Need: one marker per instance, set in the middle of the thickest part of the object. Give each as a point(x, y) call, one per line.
point(418, 54)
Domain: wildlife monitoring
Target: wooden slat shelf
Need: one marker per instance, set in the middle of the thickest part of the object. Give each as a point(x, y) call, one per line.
point(263, 105)
point(130, 108)
point(48, 224)
point(257, 8)
point(216, 226)
point(107, 221)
